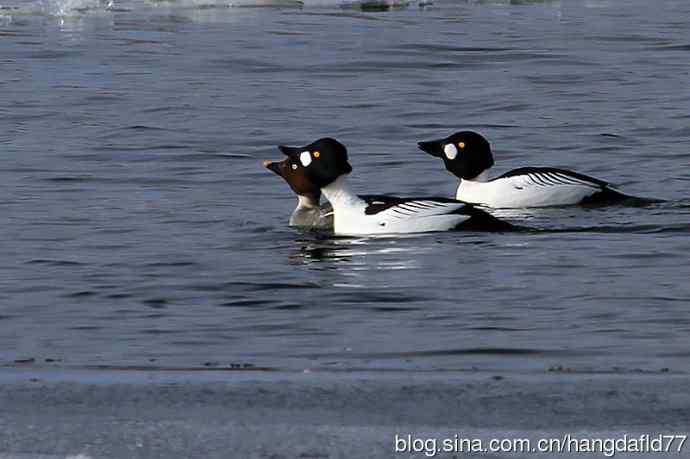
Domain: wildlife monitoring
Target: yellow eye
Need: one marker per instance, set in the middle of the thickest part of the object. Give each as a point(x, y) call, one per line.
point(317, 154)
point(461, 144)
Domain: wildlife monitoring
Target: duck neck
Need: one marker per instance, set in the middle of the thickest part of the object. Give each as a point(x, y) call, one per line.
point(483, 177)
point(306, 213)
point(340, 194)
point(307, 202)
point(467, 189)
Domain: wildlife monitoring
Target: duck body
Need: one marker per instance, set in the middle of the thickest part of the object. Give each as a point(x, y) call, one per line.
point(537, 187)
point(379, 214)
point(468, 156)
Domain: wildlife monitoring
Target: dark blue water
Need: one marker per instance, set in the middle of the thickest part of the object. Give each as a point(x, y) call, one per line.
point(138, 227)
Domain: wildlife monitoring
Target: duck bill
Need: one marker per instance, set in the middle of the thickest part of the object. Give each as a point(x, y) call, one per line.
point(277, 167)
point(432, 147)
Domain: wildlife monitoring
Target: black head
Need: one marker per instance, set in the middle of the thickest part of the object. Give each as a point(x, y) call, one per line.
point(466, 154)
point(323, 161)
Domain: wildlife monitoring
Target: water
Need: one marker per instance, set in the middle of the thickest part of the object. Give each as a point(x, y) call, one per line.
point(139, 228)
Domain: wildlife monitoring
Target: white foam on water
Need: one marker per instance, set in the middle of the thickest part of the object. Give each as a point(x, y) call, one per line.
point(66, 8)
point(190, 4)
point(80, 8)
point(287, 3)
point(5, 19)
point(364, 4)
point(42, 456)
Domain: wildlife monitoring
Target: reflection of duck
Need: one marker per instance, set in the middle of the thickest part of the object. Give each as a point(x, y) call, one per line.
point(467, 155)
point(353, 257)
point(324, 163)
point(317, 253)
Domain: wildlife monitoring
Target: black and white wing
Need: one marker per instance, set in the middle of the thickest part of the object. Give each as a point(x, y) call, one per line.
point(549, 185)
point(412, 207)
point(429, 214)
point(550, 176)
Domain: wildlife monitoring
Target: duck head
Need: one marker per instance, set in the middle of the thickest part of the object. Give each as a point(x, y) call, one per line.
point(466, 154)
point(321, 162)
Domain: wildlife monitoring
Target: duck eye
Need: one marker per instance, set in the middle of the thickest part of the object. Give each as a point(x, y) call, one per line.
point(461, 144)
point(450, 151)
point(317, 154)
point(305, 158)
point(294, 166)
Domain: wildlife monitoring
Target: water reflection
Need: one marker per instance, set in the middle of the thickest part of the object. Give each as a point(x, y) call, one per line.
point(369, 252)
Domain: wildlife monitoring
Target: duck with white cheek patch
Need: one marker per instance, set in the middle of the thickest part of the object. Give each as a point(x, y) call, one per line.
point(326, 166)
point(467, 155)
point(308, 213)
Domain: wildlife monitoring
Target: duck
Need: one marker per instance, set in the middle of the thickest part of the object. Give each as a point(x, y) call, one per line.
point(468, 156)
point(324, 163)
point(309, 213)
